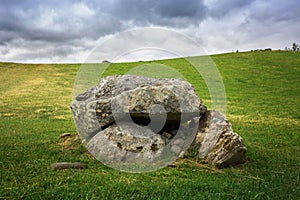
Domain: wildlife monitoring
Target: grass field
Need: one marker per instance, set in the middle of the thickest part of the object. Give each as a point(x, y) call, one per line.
point(263, 92)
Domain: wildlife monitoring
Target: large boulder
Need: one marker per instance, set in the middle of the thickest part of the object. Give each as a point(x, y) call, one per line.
point(132, 121)
point(128, 121)
point(141, 99)
point(217, 142)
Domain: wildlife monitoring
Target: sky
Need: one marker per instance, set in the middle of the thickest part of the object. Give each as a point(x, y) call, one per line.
point(41, 31)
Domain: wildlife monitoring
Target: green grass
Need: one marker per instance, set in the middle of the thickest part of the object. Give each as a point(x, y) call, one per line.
point(263, 92)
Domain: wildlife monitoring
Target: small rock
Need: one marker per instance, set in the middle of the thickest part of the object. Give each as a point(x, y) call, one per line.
point(68, 165)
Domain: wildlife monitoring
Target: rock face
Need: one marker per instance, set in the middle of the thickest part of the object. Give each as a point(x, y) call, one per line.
point(132, 119)
point(127, 142)
point(217, 143)
point(138, 120)
point(138, 98)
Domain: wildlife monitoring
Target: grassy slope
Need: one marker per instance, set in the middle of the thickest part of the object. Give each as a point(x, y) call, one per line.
point(263, 92)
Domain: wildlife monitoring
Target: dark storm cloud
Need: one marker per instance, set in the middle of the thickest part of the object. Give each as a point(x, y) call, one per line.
point(59, 23)
point(276, 11)
point(217, 8)
point(29, 21)
point(151, 11)
point(54, 30)
point(26, 17)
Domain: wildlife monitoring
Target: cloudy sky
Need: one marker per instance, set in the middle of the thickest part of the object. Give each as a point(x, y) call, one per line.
point(40, 31)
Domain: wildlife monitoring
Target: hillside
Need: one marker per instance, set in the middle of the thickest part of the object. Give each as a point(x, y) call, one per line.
point(262, 94)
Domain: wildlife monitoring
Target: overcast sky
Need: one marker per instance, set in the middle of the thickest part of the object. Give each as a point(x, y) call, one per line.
point(40, 31)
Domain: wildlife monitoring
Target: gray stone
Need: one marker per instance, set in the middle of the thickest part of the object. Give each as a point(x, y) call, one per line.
point(138, 120)
point(126, 142)
point(139, 98)
point(229, 151)
point(68, 165)
point(217, 143)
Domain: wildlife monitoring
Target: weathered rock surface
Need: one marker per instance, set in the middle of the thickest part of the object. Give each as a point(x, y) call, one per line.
point(217, 143)
point(134, 97)
point(134, 119)
point(132, 143)
point(127, 142)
